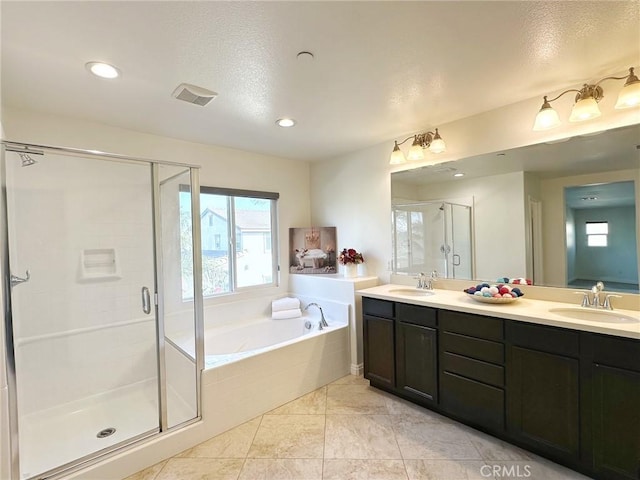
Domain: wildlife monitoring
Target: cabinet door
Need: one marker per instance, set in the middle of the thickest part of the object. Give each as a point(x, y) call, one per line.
point(543, 401)
point(379, 355)
point(416, 361)
point(616, 422)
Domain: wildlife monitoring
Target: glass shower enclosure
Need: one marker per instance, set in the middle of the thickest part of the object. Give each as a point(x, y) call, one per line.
point(433, 235)
point(99, 355)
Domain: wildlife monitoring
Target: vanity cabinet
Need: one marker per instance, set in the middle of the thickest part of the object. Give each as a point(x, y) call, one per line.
point(543, 379)
point(570, 395)
point(417, 352)
point(472, 368)
point(379, 341)
point(612, 386)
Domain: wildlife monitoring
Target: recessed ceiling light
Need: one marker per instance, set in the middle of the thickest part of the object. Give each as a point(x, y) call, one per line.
point(285, 122)
point(103, 70)
point(459, 174)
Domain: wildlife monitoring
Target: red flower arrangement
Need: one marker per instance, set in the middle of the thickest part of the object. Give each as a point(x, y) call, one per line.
point(349, 255)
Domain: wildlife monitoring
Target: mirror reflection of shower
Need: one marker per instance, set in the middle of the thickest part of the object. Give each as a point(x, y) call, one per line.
point(431, 236)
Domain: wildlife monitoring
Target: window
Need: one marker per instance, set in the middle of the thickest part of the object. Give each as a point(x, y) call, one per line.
point(597, 233)
point(236, 224)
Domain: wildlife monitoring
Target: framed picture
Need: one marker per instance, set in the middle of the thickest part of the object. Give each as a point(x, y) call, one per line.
point(312, 250)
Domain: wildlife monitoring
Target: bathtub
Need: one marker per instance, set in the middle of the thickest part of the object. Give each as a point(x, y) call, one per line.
point(231, 343)
point(254, 366)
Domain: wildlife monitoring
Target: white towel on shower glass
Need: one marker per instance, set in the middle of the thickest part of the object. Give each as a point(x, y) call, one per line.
point(286, 303)
point(291, 313)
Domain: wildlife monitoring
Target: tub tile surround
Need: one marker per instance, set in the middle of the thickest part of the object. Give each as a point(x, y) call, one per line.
point(404, 442)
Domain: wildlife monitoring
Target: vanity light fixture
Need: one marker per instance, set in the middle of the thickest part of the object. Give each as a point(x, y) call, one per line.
point(431, 140)
point(586, 103)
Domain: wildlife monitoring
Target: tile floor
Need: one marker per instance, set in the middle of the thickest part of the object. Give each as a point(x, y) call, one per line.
point(348, 430)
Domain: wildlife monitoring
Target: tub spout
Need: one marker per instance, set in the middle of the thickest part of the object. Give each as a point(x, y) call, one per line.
point(323, 321)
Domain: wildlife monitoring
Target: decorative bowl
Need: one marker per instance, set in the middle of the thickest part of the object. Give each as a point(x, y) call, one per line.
point(481, 299)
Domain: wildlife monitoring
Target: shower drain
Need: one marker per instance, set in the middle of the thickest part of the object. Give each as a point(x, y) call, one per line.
point(107, 432)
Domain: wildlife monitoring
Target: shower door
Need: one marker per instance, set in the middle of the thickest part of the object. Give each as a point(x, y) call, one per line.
point(81, 243)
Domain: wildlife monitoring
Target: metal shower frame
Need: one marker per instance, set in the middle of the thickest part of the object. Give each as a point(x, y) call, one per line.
point(27, 149)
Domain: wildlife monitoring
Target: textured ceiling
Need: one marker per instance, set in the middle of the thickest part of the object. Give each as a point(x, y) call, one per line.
point(381, 69)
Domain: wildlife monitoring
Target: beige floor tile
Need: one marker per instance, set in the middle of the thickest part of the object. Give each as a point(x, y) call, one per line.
point(360, 437)
point(447, 470)
point(201, 469)
point(535, 469)
point(355, 399)
point(233, 443)
point(347, 469)
point(310, 404)
point(491, 448)
point(351, 380)
point(433, 440)
point(281, 469)
point(149, 473)
point(289, 436)
point(399, 406)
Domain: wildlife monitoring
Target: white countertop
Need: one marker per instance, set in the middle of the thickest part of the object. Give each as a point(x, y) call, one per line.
point(524, 309)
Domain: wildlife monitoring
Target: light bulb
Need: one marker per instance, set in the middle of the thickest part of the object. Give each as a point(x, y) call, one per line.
point(546, 118)
point(397, 157)
point(415, 152)
point(584, 109)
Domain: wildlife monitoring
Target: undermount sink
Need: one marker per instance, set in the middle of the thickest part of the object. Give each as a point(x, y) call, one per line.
point(589, 315)
point(412, 291)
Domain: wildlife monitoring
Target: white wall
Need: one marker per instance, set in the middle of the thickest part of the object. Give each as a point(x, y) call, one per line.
point(352, 191)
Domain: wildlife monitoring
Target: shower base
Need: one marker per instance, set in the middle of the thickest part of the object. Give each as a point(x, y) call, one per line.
point(60, 435)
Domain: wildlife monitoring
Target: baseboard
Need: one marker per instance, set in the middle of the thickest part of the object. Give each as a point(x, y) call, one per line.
point(357, 369)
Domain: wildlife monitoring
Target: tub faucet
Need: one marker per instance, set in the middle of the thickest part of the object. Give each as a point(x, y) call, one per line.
point(323, 321)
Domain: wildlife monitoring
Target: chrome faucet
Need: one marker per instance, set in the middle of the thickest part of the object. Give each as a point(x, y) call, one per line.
point(426, 283)
point(323, 322)
point(594, 301)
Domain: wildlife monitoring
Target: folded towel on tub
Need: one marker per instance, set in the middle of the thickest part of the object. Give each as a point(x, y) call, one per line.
point(286, 303)
point(282, 314)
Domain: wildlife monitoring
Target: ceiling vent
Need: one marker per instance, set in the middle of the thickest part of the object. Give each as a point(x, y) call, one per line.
point(192, 94)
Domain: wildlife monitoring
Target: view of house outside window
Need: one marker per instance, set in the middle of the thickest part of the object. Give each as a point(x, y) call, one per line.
point(236, 242)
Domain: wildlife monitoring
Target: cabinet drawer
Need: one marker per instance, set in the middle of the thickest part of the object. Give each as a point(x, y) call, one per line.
point(379, 308)
point(479, 349)
point(617, 352)
point(474, 401)
point(472, 325)
point(558, 341)
point(473, 369)
point(416, 315)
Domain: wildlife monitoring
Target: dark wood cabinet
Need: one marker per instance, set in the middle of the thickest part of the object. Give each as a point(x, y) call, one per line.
point(417, 361)
point(543, 382)
point(569, 395)
point(613, 417)
point(472, 369)
point(379, 342)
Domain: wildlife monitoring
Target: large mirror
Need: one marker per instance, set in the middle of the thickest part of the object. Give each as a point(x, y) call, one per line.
point(561, 214)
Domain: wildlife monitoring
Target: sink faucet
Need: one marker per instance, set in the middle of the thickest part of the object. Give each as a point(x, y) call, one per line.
point(426, 283)
point(594, 301)
point(323, 322)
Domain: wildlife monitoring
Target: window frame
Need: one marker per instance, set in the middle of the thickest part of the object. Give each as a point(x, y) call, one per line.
point(231, 194)
point(598, 234)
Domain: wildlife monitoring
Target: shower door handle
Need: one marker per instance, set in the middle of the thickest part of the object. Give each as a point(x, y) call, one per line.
point(146, 300)
point(17, 280)
point(456, 260)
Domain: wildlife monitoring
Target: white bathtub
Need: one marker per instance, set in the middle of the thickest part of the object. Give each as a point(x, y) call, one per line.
point(229, 343)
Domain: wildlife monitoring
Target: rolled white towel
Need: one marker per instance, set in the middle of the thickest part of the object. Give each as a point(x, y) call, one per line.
point(286, 303)
point(282, 314)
